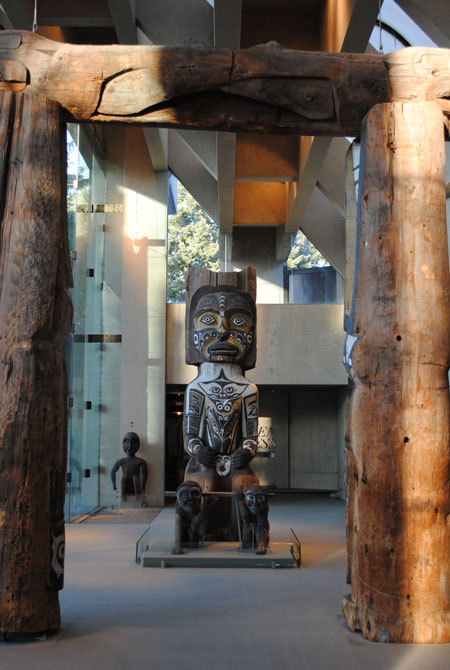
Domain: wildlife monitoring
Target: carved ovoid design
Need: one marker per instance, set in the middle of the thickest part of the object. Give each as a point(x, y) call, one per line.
point(221, 405)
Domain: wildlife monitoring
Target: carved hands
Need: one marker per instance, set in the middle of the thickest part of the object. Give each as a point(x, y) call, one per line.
point(206, 456)
point(241, 457)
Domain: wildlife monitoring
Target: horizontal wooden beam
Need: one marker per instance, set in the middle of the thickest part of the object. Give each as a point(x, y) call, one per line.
point(262, 89)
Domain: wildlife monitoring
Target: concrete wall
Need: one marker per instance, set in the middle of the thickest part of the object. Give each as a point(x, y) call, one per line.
point(275, 471)
point(297, 345)
point(308, 431)
point(144, 309)
point(251, 248)
point(316, 437)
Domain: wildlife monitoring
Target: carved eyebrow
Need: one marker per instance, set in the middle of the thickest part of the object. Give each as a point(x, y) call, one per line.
point(239, 310)
point(207, 302)
point(205, 310)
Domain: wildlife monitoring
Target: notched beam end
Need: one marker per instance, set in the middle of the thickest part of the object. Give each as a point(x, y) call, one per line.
point(10, 39)
point(12, 71)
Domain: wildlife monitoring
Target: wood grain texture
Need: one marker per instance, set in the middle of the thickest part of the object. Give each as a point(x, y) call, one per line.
point(35, 316)
point(262, 89)
point(399, 463)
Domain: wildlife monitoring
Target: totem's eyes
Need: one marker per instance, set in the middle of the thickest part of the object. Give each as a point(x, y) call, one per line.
point(238, 320)
point(207, 319)
point(188, 494)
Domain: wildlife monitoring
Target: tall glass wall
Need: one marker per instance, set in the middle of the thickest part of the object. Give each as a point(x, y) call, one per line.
point(85, 189)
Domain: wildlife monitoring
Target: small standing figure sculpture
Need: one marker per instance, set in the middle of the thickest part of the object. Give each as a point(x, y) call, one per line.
point(134, 469)
point(221, 405)
point(190, 516)
point(254, 510)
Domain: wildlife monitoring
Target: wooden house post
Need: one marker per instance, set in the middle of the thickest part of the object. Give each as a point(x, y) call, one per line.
point(398, 420)
point(399, 508)
point(35, 317)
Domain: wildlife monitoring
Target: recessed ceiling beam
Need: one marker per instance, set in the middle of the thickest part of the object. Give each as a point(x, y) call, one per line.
point(227, 33)
point(19, 13)
point(124, 21)
point(432, 17)
point(349, 34)
point(160, 20)
point(192, 174)
point(76, 21)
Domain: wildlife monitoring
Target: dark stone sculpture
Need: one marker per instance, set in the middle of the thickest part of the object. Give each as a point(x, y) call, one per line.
point(221, 405)
point(254, 509)
point(134, 469)
point(191, 516)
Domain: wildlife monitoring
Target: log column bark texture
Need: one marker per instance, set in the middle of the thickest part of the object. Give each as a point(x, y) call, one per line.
point(35, 316)
point(399, 512)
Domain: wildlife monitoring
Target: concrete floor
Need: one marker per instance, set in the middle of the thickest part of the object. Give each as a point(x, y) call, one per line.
point(117, 614)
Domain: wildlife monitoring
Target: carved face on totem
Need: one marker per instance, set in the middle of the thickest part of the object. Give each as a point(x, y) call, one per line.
point(223, 464)
point(223, 327)
point(189, 496)
point(256, 499)
point(131, 444)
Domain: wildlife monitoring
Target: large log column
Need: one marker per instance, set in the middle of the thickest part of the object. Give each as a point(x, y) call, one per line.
point(399, 538)
point(35, 315)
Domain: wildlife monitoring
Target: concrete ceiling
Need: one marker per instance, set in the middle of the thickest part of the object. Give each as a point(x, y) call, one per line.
point(281, 181)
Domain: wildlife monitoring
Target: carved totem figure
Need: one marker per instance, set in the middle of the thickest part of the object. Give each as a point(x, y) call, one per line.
point(254, 510)
point(134, 469)
point(190, 516)
point(221, 405)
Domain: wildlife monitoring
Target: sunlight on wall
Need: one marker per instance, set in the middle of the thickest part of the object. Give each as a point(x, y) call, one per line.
point(130, 198)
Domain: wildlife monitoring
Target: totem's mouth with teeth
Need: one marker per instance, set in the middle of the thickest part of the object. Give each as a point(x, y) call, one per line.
point(223, 349)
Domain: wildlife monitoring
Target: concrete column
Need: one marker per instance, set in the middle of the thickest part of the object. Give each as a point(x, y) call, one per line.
point(144, 309)
point(259, 250)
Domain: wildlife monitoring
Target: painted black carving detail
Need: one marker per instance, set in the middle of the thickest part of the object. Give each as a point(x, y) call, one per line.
point(221, 429)
point(196, 402)
point(200, 337)
point(56, 488)
point(192, 425)
point(251, 415)
point(223, 392)
point(193, 412)
point(57, 551)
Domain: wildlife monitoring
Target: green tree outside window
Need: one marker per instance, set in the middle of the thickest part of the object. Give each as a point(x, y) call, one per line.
point(304, 254)
point(193, 240)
